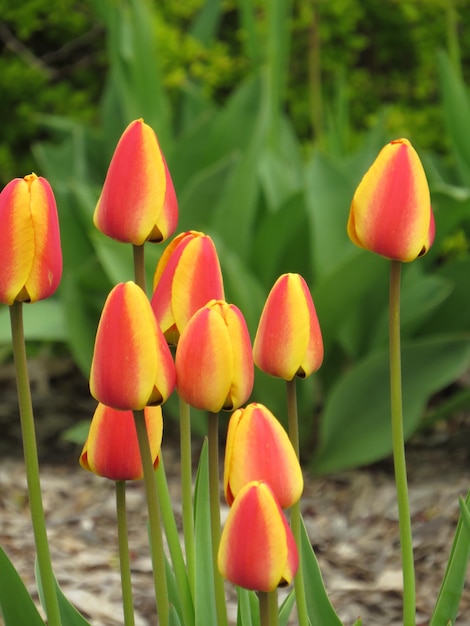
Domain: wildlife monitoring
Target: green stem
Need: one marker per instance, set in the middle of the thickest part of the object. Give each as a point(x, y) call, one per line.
point(126, 584)
point(404, 519)
point(32, 465)
point(295, 520)
point(155, 530)
point(187, 491)
point(268, 610)
point(139, 266)
point(214, 500)
point(174, 545)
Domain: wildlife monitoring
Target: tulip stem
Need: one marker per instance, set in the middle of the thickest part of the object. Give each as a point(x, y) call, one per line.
point(295, 520)
point(139, 266)
point(174, 546)
point(32, 465)
point(396, 405)
point(268, 609)
point(126, 584)
point(155, 529)
point(214, 502)
point(187, 491)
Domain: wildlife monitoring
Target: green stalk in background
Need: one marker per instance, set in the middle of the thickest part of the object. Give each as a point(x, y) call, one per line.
point(126, 584)
point(396, 406)
point(187, 492)
point(295, 520)
point(32, 465)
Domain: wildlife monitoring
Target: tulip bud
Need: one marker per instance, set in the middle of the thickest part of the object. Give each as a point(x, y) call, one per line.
point(138, 201)
point(257, 550)
point(214, 362)
point(288, 341)
point(187, 277)
point(132, 365)
point(258, 448)
point(30, 254)
point(112, 447)
point(391, 209)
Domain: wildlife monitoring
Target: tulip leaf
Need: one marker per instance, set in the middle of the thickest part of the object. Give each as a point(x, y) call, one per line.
point(248, 608)
point(286, 608)
point(447, 605)
point(16, 605)
point(319, 608)
point(43, 321)
point(355, 425)
point(204, 602)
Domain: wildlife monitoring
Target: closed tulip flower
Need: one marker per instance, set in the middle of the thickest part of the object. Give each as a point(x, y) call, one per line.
point(138, 201)
point(258, 448)
point(30, 253)
point(257, 550)
point(288, 341)
point(112, 448)
point(132, 365)
point(187, 277)
point(214, 362)
point(391, 209)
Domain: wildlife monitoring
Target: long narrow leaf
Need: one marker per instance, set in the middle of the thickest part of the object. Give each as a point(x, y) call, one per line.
point(16, 605)
point(448, 601)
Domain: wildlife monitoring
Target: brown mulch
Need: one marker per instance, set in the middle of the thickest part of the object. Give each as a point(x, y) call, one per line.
point(350, 516)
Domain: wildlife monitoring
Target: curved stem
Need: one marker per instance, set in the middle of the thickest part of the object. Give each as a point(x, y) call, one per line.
point(155, 530)
point(214, 500)
point(32, 465)
point(139, 266)
point(396, 406)
point(293, 425)
point(126, 584)
point(187, 491)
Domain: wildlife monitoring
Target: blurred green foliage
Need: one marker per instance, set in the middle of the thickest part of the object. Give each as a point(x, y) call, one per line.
point(269, 113)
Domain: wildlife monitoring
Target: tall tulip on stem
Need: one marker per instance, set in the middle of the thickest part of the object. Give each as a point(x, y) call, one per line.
point(391, 215)
point(288, 344)
point(30, 270)
point(214, 372)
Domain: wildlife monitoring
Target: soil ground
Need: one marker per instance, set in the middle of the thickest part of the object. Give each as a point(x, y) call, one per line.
point(350, 516)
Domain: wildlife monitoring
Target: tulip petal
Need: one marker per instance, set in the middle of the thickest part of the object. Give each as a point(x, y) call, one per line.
point(258, 448)
point(203, 361)
point(255, 542)
point(391, 209)
point(132, 365)
point(112, 448)
point(138, 201)
point(288, 341)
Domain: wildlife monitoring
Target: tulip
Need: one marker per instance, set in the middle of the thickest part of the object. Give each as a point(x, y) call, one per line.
point(187, 277)
point(132, 365)
point(138, 201)
point(30, 254)
point(112, 448)
point(391, 212)
point(288, 341)
point(257, 550)
point(214, 362)
point(258, 448)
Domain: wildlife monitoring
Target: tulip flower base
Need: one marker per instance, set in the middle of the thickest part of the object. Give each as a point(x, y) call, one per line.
point(351, 519)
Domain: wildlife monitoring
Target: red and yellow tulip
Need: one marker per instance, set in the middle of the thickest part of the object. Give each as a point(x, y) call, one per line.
point(30, 254)
point(138, 201)
point(132, 365)
point(391, 211)
point(112, 448)
point(258, 448)
point(257, 550)
point(214, 362)
point(187, 277)
point(288, 341)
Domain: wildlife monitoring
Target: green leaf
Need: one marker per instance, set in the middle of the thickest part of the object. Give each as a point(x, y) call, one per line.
point(248, 608)
point(319, 608)
point(43, 321)
point(286, 608)
point(16, 605)
point(447, 605)
point(204, 603)
point(355, 425)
